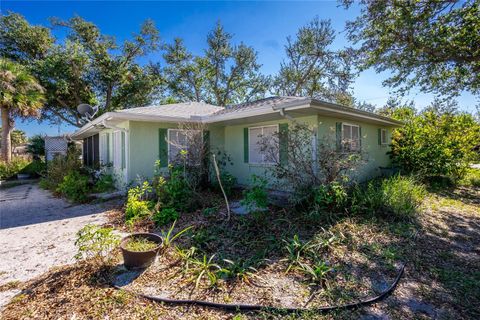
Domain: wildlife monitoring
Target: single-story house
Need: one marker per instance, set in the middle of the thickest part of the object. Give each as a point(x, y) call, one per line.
point(132, 140)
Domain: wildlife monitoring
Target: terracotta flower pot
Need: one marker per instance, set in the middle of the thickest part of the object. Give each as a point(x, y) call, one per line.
point(140, 259)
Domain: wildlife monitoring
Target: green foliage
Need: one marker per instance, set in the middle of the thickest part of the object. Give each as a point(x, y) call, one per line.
point(312, 67)
point(104, 183)
point(228, 182)
point(317, 273)
point(10, 170)
point(35, 168)
point(471, 178)
point(18, 137)
point(74, 187)
point(295, 249)
point(59, 167)
point(96, 243)
point(430, 44)
point(165, 216)
point(225, 74)
point(138, 207)
point(204, 267)
point(169, 236)
point(86, 67)
point(434, 143)
point(399, 196)
point(209, 211)
point(240, 270)
point(140, 244)
point(256, 196)
point(36, 145)
point(21, 96)
point(330, 197)
point(175, 191)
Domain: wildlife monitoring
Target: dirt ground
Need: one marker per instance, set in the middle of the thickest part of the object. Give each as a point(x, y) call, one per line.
point(37, 232)
point(441, 280)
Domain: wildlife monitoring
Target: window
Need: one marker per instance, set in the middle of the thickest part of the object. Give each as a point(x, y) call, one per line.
point(350, 137)
point(188, 140)
point(383, 136)
point(255, 137)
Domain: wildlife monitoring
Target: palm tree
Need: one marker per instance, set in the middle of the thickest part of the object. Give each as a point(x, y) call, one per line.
point(20, 95)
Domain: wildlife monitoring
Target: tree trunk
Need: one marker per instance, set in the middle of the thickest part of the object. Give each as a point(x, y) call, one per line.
point(6, 141)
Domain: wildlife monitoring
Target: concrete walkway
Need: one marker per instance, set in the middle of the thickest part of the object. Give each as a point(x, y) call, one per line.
point(37, 232)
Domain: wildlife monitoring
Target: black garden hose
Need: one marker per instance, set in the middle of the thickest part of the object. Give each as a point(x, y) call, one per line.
point(253, 307)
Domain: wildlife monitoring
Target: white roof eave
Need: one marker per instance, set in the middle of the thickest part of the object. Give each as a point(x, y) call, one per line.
point(306, 103)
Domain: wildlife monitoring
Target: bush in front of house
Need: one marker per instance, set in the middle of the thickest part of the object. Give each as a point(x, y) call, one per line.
point(434, 142)
point(10, 170)
point(138, 205)
point(96, 243)
point(256, 196)
point(228, 182)
point(399, 196)
point(165, 216)
point(104, 183)
point(59, 167)
point(74, 187)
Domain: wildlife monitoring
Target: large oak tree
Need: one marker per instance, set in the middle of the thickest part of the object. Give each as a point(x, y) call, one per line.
point(313, 68)
point(432, 45)
point(87, 67)
point(224, 74)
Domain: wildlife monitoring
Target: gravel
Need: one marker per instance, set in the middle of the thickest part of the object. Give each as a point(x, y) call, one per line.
point(37, 232)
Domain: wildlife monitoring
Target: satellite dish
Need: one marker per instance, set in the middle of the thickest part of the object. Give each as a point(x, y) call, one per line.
point(87, 112)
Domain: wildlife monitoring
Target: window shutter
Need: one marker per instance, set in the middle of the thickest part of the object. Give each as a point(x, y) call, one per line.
point(206, 145)
point(360, 136)
point(162, 147)
point(245, 145)
point(339, 136)
point(283, 143)
point(107, 151)
point(123, 150)
point(379, 136)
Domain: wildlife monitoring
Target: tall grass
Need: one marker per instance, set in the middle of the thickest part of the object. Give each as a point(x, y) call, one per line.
point(399, 196)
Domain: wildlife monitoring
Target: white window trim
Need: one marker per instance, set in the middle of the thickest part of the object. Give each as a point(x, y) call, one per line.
point(383, 143)
point(249, 142)
point(169, 139)
point(359, 136)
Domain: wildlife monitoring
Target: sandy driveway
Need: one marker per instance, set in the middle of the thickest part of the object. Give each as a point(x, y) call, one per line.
point(37, 232)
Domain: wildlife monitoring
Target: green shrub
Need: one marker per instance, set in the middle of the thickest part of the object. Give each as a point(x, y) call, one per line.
point(330, 197)
point(74, 187)
point(472, 178)
point(256, 197)
point(104, 183)
point(9, 170)
point(35, 168)
point(433, 143)
point(397, 195)
point(96, 243)
point(228, 183)
point(175, 192)
point(61, 166)
point(164, 216)
point(138, 207)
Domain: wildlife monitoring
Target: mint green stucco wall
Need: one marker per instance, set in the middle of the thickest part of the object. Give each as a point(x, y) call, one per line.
point(143, 146)
point(234, 146)
point(374, 155)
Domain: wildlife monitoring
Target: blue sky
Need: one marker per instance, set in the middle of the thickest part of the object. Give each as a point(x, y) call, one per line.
point(263, 25)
